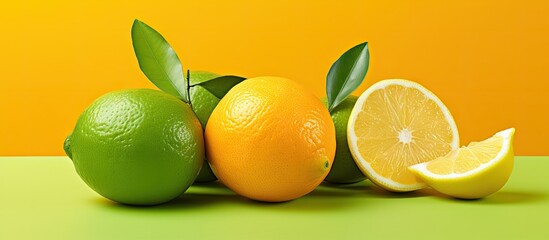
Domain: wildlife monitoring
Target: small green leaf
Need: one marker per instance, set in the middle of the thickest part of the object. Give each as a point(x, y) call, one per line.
point(158, 60)
point(219, 86)
point(346, 74)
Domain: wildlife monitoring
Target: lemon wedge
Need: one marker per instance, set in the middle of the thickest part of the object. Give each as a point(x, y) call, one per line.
point(472, 171)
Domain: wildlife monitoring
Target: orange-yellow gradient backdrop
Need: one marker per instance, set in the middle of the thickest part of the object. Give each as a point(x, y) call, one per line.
point(487, 60)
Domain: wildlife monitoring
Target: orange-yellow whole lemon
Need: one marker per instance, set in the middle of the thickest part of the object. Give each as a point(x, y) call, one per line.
point(270, 139)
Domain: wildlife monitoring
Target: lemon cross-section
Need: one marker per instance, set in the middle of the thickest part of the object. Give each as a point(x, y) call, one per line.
point(395, 124)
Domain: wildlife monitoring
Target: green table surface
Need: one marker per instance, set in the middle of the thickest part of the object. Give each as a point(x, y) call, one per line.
point(43, 198)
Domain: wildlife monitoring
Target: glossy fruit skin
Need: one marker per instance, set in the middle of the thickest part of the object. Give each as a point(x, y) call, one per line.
point(137, 147)
point(203, 104)
point(344, 169)
point(269, 139)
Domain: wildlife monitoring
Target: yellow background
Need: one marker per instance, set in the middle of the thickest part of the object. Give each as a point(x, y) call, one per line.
point(487, 60)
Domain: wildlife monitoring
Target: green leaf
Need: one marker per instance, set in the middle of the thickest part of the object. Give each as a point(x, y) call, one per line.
point(158, 61)
point(219, 86)
point(346, 74)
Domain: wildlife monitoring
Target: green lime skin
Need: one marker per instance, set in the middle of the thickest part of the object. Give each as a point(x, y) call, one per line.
point(137, 147)
point(203, 103)
point(344, 169)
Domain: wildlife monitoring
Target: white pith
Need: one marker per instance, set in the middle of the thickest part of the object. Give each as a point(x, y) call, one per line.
point(405, 136)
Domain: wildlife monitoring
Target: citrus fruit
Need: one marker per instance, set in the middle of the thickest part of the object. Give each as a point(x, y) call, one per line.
point(474, 171)
point(344, 169)
point(396, 124)
point(270, 139)
point(203, 104)
point(140, 147)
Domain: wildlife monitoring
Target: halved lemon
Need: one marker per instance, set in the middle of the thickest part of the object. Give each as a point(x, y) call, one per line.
point(474, 171)
point(396, 124)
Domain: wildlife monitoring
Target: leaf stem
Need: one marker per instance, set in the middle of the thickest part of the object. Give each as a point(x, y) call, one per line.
point(188, 89)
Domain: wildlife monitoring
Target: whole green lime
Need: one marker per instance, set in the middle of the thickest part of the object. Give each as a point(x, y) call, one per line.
point(344, 169)
point(139, 147)
point(203, 103)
